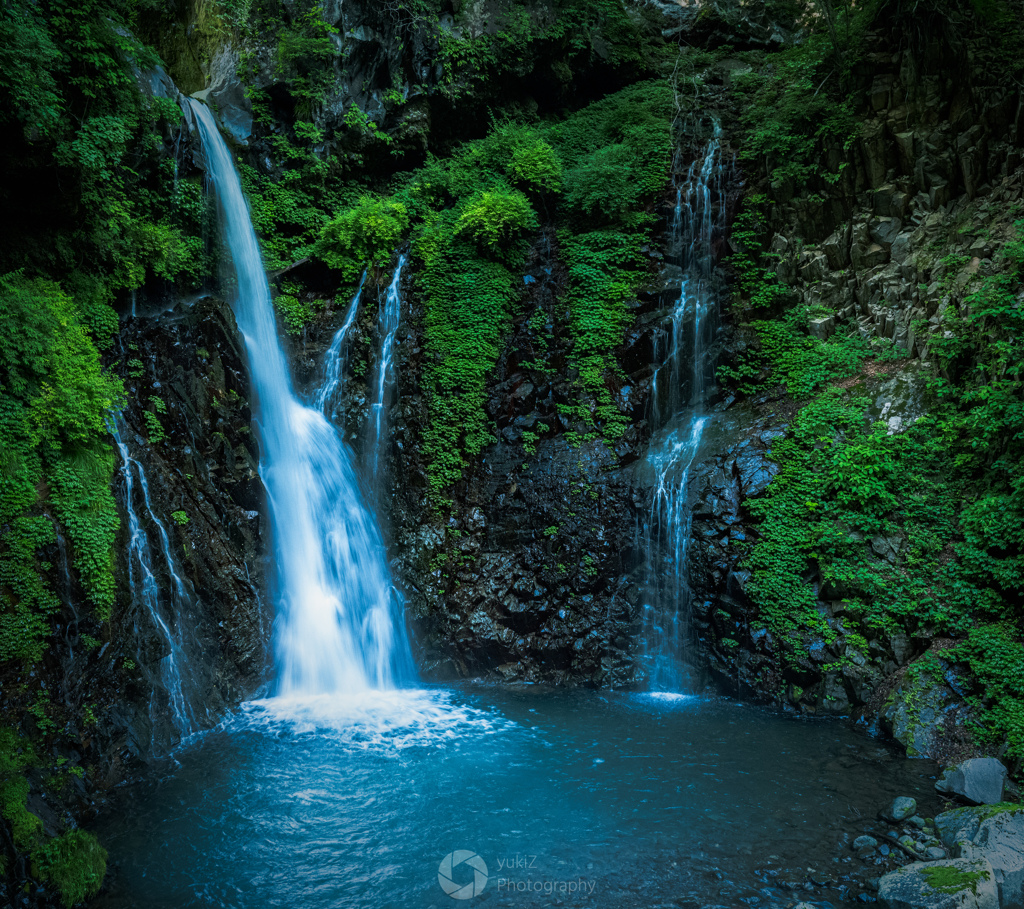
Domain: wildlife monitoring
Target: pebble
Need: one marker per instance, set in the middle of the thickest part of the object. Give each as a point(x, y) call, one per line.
point(935, 853)
point(916, 821)
point(864, 841)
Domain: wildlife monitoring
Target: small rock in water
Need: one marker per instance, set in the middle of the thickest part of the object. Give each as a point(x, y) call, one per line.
point(934, 853)
point(900, 809)
point(916, 821)
point(865, 841)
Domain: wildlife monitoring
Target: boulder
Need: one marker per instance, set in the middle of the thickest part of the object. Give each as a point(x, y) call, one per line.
point(916, 708)
point(950, 884)
point(822, 327)
point(994, 835)
point(978, 780)
point(227, 94)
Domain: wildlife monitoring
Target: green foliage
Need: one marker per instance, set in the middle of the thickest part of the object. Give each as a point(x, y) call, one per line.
point(497, 219)
point(617, 153)
point(757, 285)
point(798, 108)
point(468, 303)
point(536, 166)
point(363, 236)
point(16, 756)
point(604, 269)
point(576, 34)
point(54, 403)
point(305, 52)
point(995, 655)
point(794, 358)
point(75, 863)
point(949, 490)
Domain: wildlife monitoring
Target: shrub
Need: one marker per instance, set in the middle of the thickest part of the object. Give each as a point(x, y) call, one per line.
point(537, 166)
point(364, 235)
point(495, 219)
point(74, 863)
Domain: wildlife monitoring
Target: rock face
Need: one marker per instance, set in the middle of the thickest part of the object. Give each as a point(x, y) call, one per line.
point(923, 711)
point(863, 255)
point(1000, 841)
point(952, 884)
point(531, 576)
point(189, 430)
point(978, 780)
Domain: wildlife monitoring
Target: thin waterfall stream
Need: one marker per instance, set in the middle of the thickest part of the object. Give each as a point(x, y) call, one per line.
point(339, 627)
point(681, 385)
point(165, 608)
point(329, 393)
point(388, 318)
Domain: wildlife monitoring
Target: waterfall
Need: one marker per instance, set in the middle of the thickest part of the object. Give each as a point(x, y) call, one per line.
point(388, 317)
point(328, 395)
point(339, 626)
point(680, 389)
point(167, 611)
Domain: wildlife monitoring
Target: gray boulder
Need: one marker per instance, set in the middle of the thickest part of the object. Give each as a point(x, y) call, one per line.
point(227, 94)
point(993, 835)
point(979, 780)
point(952, 884)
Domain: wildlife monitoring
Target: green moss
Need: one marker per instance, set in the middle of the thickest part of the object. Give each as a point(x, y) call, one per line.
point(946, 879)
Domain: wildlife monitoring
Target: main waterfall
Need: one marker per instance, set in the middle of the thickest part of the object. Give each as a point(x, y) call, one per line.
point(339, 627)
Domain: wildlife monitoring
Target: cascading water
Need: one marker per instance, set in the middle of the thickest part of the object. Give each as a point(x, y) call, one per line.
point(328, 396)
point(681, 383)
point(388, 319)
point(167, 611)
point(339, 627)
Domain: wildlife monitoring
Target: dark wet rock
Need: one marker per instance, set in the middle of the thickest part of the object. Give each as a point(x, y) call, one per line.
point(225, 92)
point(978, 780)
point(205, 472)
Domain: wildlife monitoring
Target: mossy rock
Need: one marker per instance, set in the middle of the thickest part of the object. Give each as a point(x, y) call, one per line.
point(951, 884)
point(915, 711)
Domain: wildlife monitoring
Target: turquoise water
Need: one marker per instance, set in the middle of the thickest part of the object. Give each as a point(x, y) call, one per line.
point(637, 800)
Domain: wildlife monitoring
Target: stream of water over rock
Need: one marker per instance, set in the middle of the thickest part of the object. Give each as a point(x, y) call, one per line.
point(680, 390)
